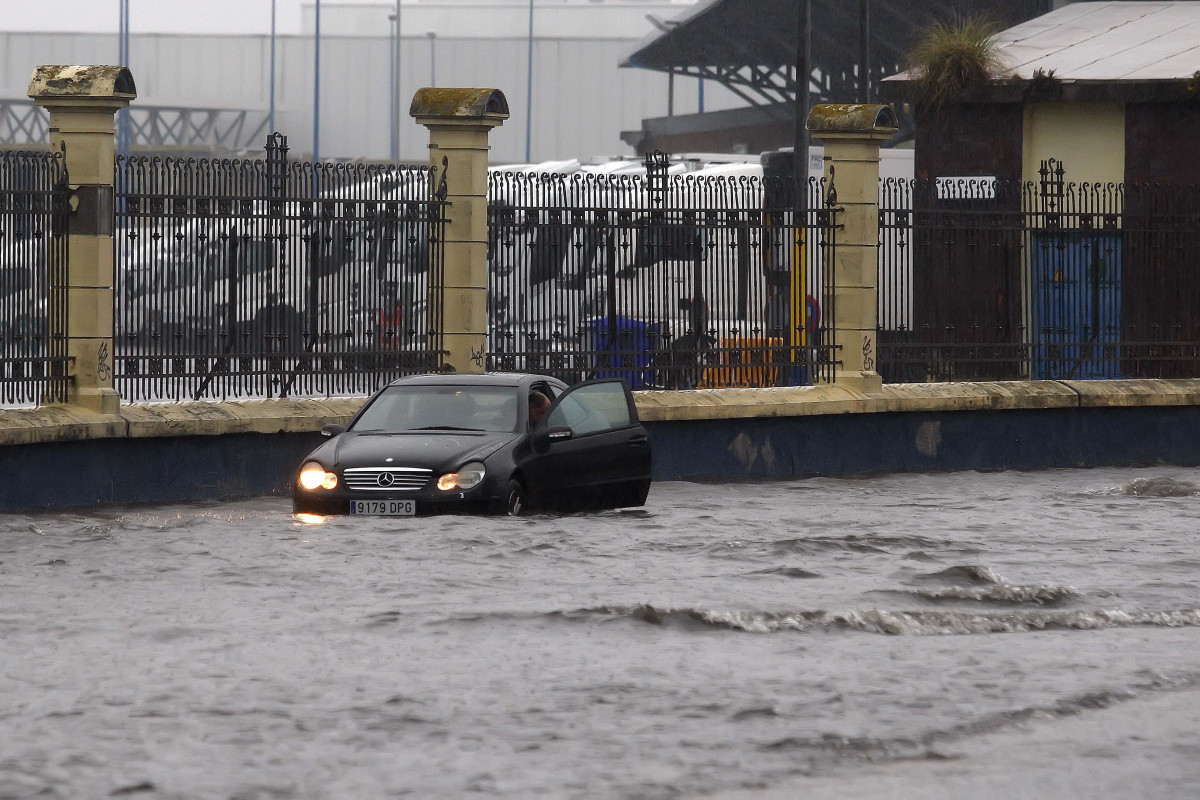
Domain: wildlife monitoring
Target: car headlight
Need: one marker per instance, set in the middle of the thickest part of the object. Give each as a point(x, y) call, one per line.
point(313, 476)
point(468, 477)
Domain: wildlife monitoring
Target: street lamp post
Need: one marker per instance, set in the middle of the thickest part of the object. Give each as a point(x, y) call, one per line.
point(432, 36)
point(316, 88)
point(271, 108)
point(396, 105)
point(864, 51)
point(800, 142)
point(392, 87)
point(529, 90)
point(799, 277)
point(123, 59)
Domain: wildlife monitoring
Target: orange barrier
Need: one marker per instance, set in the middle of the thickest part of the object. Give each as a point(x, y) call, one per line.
point(744, 362)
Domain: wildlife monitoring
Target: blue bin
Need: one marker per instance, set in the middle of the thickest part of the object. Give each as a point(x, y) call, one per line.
point(625, 352)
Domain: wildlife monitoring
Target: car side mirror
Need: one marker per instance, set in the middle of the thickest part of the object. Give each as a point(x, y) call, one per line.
point(333, 429)
point(545, 437)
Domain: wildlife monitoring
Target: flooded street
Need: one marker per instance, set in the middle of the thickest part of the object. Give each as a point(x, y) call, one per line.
point(993, 635)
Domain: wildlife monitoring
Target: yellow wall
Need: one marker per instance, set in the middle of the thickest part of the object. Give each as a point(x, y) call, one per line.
point(1088, 138)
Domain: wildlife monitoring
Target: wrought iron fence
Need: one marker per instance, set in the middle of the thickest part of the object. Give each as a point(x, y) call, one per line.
point(268, 277)
point(33, 277)
point(668, 279)
point(989, 280)
point(274, 278)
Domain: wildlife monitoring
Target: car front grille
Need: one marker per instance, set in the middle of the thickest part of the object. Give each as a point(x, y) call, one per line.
point(386, 479)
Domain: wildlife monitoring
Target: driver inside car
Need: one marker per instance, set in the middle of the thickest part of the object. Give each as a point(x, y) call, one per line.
point(539, 404)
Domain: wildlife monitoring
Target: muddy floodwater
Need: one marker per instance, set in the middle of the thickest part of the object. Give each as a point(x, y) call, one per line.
point(944, 635)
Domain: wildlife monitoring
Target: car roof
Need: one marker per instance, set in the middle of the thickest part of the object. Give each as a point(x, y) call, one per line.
point(463, 379)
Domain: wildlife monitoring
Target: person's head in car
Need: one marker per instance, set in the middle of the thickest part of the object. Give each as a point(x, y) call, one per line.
point(539, 404)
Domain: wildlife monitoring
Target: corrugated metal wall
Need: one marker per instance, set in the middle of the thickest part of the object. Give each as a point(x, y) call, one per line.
point(582, 101)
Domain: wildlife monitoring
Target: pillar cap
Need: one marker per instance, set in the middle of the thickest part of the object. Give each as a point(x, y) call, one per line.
point(868, 118)
point(57, 82)
point(460, 104)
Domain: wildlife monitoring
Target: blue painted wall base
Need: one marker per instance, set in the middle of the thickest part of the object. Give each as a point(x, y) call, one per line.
point(847, 444)
point(98, 472)
point(196, 468)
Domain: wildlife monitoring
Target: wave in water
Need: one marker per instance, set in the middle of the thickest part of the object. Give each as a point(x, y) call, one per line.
point(1003, 594)
point(853, 543)
point(1154, 487)
point(922, 746)
point(837, 748)
point(787, 572)
point(964, 575)
point(895, 623)
point(973, 582)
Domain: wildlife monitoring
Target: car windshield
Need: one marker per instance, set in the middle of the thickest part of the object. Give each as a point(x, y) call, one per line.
point(434, 408)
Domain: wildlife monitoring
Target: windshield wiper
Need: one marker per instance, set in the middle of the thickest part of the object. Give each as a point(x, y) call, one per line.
point(446, 428)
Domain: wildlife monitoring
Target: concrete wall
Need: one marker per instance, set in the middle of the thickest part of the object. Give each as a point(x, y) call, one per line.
point(59, 457)
point(1088, 138)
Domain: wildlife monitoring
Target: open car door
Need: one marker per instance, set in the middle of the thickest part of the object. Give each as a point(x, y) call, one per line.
point(590, 450)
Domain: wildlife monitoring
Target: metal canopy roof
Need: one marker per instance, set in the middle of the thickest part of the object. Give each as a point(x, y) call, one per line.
point(1112, 41)
point(749, 46)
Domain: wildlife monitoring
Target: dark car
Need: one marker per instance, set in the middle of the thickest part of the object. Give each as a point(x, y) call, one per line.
point(432, 443)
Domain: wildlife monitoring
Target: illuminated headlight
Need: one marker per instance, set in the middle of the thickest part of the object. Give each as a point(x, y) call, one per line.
point(468, 477)
point(313, 476)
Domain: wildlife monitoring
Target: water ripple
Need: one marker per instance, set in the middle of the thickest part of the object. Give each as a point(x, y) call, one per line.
point(894, 623)
point(1161, 486)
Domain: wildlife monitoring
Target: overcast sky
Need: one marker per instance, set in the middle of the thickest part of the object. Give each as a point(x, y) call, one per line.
point(155, 16)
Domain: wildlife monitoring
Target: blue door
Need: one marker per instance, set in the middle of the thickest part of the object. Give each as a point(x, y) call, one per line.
point(1076, 306)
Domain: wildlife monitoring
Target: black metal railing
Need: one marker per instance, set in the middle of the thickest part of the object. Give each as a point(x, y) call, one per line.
point(33, 277)
point(669, 279)
point(990, 280)
point(273, 278)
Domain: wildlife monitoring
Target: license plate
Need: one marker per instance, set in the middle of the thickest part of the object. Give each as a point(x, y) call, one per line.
point(384, 508)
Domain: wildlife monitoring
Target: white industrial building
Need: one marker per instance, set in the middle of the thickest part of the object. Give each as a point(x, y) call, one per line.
point(581, 99)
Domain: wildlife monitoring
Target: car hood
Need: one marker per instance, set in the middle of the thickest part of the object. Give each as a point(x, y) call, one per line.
point(434, 450)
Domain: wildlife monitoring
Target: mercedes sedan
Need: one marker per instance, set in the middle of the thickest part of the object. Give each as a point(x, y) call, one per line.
point(502, 443)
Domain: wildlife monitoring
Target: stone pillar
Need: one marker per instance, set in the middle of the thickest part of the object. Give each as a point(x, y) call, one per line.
point(82, 102)
point(852, 135)
point(459, 121)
